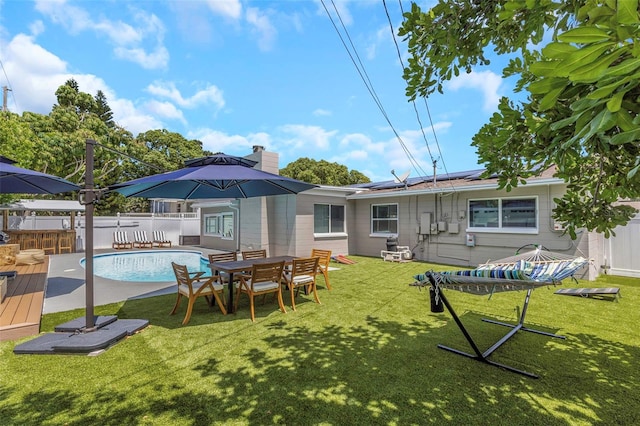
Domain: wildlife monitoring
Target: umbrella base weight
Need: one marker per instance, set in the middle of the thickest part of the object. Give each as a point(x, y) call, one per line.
point(70, 339)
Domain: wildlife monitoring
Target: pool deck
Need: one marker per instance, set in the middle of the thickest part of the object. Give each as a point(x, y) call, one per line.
point(21, 310)
point(66, 285)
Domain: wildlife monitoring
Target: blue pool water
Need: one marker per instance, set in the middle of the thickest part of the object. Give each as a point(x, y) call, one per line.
point(146, 266)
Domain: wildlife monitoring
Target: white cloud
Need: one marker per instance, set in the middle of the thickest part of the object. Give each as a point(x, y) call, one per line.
point(263, 29)
point(42, 72)
point(299, 136)
point(216, 141)
point(210, 94)
point(382, 35)
point(486, 82)
point(166, 110)
point(36, 28)
point(227, 8)
point(321, 112)
point(147, 60)
point(342, 10)
point(127, 39)
point(127, 115)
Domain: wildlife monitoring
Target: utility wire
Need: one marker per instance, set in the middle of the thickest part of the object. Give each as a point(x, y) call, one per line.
point(365, 78)
point(395, 41)
point(4, 71)
point(415, 108)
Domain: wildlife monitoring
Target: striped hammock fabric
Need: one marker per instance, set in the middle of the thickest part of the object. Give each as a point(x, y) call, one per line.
point(507, 274)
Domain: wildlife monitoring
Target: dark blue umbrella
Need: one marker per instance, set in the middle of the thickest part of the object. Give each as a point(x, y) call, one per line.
point(15, 180)
point(216, 176)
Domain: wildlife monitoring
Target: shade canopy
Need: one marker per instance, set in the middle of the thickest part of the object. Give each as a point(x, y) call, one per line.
point(216, 176)
point(16, 180)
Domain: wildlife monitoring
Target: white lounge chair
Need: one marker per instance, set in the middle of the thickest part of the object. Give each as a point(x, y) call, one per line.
point(140, 239)
point(121, 240)
point(160, 240)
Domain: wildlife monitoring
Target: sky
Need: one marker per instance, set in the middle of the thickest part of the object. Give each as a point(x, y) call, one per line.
point(238, 73)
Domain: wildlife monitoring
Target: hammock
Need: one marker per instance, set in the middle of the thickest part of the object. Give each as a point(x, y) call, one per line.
point(521, 272)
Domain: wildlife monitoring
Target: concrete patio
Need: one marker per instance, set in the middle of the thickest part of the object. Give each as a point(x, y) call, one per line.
point(65, 289)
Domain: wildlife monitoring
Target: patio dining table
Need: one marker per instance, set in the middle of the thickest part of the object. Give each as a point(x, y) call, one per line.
point(237, 266)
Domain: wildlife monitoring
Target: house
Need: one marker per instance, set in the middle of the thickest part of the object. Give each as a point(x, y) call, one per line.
point(463, 220)
point(457, 219)
point(281, 224)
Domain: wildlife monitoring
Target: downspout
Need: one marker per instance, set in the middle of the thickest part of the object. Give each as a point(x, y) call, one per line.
point(237, 210)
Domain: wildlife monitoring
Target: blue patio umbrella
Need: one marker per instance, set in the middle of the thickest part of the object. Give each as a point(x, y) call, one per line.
point(216, 176)
point(16, 180)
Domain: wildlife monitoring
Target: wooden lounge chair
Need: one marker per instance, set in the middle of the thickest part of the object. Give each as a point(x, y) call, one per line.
point(160, 240)
point(303, 274)
point(121, 240)
point(194, 285)
point(324, 258)
point(140, 239)
point(265, 278)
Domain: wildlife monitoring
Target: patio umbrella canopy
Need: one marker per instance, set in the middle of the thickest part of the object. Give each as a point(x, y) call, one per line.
point(216, 176)
point(16, 180)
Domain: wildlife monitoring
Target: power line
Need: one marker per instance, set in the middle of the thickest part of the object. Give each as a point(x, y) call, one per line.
point(366, 80)
point(395, 41)
point(6, 89)
point(415, 108)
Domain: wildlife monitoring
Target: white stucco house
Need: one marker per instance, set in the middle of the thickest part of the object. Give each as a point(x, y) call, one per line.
point(456, 219)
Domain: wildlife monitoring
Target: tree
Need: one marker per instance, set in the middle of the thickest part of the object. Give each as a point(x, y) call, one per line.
point(17, 143)
point(581, 114)
point(103, 110)
point(322, 173)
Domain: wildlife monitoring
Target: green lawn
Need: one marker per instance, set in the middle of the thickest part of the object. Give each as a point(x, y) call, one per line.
point(367, 355)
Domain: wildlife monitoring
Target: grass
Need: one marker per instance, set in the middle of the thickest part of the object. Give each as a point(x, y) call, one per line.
point(367, 355)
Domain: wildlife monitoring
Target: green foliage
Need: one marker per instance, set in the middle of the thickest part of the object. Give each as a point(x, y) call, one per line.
point(56, 144)
point(322, 173)
point(582, 113)
point(103, 110)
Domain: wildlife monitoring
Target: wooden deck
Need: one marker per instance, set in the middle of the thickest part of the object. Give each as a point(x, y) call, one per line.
point(21, 310)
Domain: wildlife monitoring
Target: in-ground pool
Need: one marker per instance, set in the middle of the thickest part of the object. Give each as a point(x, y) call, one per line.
point(146, 266)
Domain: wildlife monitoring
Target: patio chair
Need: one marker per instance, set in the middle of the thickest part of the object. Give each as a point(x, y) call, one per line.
point(140, 239)
point(194, 285)
point(223, 257)
point(121, 240)
point(254, 254)
point(160, 239)
point(265, 278)
point(303, 274)
point(324, 257)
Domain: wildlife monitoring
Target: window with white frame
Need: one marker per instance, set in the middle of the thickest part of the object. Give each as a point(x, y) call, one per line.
point(219, 225)
point(384, 218)
point(504, 213)
point(328, 218)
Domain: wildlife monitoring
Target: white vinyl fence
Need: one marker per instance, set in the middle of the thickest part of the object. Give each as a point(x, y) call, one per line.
point(173, 224)
point(622, 250)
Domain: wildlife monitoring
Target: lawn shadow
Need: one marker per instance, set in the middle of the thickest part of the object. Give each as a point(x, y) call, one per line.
point(381, 372)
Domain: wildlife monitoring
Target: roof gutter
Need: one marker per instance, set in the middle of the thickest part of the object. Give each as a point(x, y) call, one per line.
point(445, 190)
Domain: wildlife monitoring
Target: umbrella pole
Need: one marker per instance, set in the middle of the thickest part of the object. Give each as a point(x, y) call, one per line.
point(89, 199)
